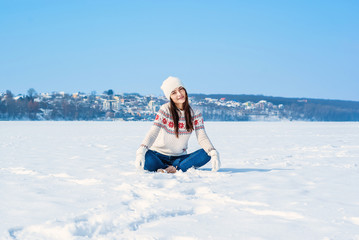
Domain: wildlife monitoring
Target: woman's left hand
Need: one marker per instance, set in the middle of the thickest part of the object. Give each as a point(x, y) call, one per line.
point(216, 162)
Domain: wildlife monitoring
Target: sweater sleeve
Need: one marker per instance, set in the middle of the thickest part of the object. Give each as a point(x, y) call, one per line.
point(152, 134)
point(201, 134)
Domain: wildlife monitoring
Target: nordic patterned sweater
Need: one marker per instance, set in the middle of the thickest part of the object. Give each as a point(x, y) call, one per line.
point(162, 138)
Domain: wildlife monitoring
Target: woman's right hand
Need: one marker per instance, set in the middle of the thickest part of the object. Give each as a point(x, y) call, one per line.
point(140, 158)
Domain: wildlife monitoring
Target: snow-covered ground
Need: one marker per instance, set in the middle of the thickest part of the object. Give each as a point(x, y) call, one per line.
point(280, 180)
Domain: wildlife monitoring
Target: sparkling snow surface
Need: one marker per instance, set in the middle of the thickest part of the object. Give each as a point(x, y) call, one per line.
point(279, 180)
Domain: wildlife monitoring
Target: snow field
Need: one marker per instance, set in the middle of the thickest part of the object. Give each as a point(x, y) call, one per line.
point(281, 180)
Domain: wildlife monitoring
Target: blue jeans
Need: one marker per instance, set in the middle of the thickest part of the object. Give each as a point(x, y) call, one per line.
point(155, 160)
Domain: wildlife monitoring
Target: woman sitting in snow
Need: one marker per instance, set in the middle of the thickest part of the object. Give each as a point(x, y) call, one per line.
point(164, 148)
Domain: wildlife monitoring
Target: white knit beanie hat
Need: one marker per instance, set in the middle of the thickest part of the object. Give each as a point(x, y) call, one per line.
point(169, 85)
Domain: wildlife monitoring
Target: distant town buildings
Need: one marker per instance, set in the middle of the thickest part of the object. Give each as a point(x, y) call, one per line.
point(135, 107)
point(221, 109)
point(126, 107)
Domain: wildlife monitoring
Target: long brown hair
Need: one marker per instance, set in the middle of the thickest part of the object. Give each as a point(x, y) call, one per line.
point(188, 113)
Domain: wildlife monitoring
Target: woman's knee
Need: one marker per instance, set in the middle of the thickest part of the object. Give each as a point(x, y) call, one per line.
point(152, 162)
point(203, 154)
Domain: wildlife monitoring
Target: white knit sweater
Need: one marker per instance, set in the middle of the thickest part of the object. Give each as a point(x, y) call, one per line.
point(162, 138)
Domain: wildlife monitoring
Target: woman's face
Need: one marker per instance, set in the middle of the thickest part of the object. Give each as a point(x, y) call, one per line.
point(178, 96)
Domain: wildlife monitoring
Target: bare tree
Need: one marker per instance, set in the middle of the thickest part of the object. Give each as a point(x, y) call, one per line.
point(31, 93)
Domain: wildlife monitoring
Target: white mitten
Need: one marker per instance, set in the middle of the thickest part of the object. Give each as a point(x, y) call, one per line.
point(216, 163)
point(140, 158)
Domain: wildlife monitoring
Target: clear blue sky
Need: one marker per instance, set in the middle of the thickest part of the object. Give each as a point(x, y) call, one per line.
point(277, 48)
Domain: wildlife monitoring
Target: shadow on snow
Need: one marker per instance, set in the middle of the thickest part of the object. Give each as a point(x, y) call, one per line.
point(244, 170)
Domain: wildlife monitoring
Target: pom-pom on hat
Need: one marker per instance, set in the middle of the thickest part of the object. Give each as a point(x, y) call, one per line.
point(170, 84)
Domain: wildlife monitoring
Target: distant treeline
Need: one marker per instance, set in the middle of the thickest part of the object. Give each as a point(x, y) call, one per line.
point(64, 108)
point(300, 108)
point(67, 107)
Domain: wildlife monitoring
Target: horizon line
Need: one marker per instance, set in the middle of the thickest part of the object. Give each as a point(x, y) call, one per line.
point(160, 95)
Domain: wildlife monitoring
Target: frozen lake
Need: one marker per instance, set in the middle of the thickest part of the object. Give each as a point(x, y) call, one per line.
point(279, 180)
